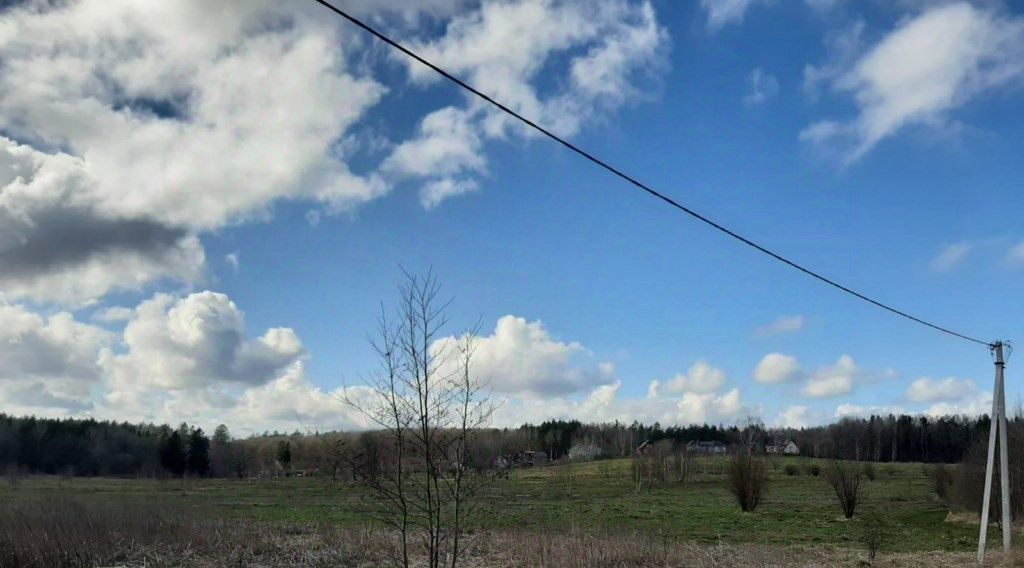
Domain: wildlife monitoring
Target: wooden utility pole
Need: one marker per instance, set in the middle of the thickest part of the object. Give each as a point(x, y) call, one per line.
point(997, 425)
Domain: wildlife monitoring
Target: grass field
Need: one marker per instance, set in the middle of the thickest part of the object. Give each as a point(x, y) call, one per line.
point(799, 510)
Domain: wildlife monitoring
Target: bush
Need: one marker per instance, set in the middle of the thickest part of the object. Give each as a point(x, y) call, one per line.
point(968, 478)
point(748, 480)
point(813, 469)
point(869, 471)
point(874, 530)
point(845, 481)
point(791, 469)
point(941, 478)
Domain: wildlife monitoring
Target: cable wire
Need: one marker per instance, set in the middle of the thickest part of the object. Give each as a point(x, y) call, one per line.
point(633, 181)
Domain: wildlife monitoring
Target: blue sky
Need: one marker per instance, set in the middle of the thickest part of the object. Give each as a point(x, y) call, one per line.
point(878, 143)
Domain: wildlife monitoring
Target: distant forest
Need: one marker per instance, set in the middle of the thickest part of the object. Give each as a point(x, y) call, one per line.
point(76, 447)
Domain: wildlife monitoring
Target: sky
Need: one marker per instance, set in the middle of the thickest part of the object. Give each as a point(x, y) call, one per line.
point(204, 207)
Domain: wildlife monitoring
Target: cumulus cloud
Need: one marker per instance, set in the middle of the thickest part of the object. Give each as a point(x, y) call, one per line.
point(133, 141)
point(178, 358)
point(951, 256)
point(523, 357)
point(59, 242)
point(124, 143)
point(775, 368)
point(972, 405)
point(949, 389)
point(702, 378)
point(291, 400)
point(762, 85)
point(605, 404)
point(47, 364)
point(794, 417)
point(781, 326)
point(928, 66)
point(199, 340)
point(833, 380)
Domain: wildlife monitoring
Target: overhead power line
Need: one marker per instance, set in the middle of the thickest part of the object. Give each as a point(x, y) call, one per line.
point(638, 184)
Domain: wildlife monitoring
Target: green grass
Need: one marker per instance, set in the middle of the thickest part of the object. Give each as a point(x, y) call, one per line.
point(799, 510)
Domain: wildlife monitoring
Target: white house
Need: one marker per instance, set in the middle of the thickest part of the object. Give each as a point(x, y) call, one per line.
point(788, 447)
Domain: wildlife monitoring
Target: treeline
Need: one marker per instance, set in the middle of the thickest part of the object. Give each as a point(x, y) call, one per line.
point(894, 438)
point(97, 448)
point(88, 447)
point(891, 438)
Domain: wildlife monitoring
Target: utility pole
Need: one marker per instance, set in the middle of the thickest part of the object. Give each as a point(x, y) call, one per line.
point(997, 424)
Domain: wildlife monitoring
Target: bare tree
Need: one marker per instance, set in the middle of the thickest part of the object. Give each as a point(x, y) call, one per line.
point(430, 409)
point(752, 432)
point(844, 477)
point(748, 479)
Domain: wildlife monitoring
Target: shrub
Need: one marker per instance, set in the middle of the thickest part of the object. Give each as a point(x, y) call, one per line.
point(941, 478)
point(813, 469)
point(874, 530)
point(968, 478)
point(748, 480)
point(791, 469)
point(869, 471)
point(845, 481)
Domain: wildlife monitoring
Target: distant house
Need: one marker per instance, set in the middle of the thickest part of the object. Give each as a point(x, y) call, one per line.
point(531, 458)
point(705, 447)
point(788, 448)
point(644, 447)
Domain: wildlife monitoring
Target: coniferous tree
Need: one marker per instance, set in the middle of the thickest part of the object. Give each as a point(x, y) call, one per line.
point(172, 454)
point(220, 452)
point(284, 454)
point(198, 453)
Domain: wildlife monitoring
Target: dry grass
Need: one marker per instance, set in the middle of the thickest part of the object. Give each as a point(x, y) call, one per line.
point(66, 534)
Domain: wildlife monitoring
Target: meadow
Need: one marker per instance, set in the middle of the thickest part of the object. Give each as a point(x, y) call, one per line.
point(600, 502)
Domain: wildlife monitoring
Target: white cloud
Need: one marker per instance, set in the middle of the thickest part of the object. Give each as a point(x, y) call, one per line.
point(161, 138)
point(1015, 256)
point(59, 241)
point(775, 368)
point(197, 341)
point(522, 357)
point(604, 404)
point(47, 364)
point(951, 256)
point(854, 410)
point(113, 314)
point(832, 380)
point(724, 12)
point(131, 143)
point(971, 405)
point(190, 358)
point(794, 417)
point(763, 86)
point(928, 66)
point(291, 401)
point(949, 389)
point(501, 48)
point(781, 326)
point(447, 144)
point(702, 378)
point(232, 260)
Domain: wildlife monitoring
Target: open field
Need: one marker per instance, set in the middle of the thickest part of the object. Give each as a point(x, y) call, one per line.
point(799, 514)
